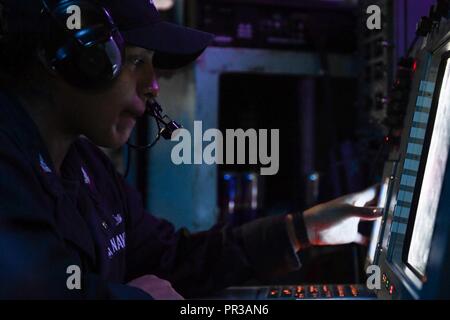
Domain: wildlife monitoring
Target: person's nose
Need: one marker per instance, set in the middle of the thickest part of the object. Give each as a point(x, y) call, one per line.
point(149, 85)
point(153, 88)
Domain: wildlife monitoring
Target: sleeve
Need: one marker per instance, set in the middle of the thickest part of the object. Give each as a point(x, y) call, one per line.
point(200, 263)
point(34, 259)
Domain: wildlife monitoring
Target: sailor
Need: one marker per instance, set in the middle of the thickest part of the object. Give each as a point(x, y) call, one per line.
point(64, 207)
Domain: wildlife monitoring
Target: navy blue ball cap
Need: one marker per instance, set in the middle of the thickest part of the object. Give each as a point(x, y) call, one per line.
point(175, 46)
point(141, 25)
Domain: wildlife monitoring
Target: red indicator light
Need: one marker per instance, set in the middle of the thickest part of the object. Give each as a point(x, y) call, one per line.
point(391, 290)
point(341, 291)
point(414, 67)
point(314, 291)
point(287, 292)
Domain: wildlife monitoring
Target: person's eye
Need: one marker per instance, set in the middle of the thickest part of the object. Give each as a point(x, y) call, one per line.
point(138, 61)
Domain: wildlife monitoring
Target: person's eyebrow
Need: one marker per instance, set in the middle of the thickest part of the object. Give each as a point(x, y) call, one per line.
point(130, 53)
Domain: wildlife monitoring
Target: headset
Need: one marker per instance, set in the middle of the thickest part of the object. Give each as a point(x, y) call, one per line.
point(91, 57)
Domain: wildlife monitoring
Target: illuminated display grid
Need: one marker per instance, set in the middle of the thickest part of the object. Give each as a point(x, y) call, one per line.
point(432, 181)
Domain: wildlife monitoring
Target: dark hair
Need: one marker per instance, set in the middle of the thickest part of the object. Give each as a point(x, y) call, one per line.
point(19, 44)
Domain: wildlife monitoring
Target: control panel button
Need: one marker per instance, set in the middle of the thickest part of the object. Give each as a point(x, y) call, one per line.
point(286, 293)
point(327, 291)
point(340, 289)
point(273, 293)
point(391, 289)
point(354, 291)
point(300, 292)
point(313, 291)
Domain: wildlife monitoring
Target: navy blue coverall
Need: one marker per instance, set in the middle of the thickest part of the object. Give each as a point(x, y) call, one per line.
point(90, 217)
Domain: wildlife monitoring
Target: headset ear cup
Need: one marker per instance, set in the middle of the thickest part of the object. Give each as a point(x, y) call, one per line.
point(90, 58)
point(93, 62)
point(98, 65)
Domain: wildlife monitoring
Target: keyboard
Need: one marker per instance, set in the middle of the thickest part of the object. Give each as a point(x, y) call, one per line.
point(297, 292)
point(322, 291)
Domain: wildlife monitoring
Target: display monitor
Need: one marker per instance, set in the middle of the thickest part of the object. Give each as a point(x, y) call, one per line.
point(433, 164)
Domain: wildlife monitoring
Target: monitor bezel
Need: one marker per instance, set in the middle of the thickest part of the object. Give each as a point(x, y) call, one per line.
point(445, 60)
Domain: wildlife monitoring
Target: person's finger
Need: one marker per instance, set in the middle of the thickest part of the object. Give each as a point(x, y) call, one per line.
point(361, 198)
point(362, 240)
point(366, 213)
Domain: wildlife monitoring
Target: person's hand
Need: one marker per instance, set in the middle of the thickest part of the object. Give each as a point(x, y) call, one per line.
point(159, 289)
point(336, 222)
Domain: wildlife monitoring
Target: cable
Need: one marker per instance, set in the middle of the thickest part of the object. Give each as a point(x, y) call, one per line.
point(132, 147)
point(165, 130)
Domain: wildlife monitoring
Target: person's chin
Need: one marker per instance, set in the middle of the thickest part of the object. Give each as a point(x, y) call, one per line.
point(114, 140)
point(120, 139)
point(122, 132)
